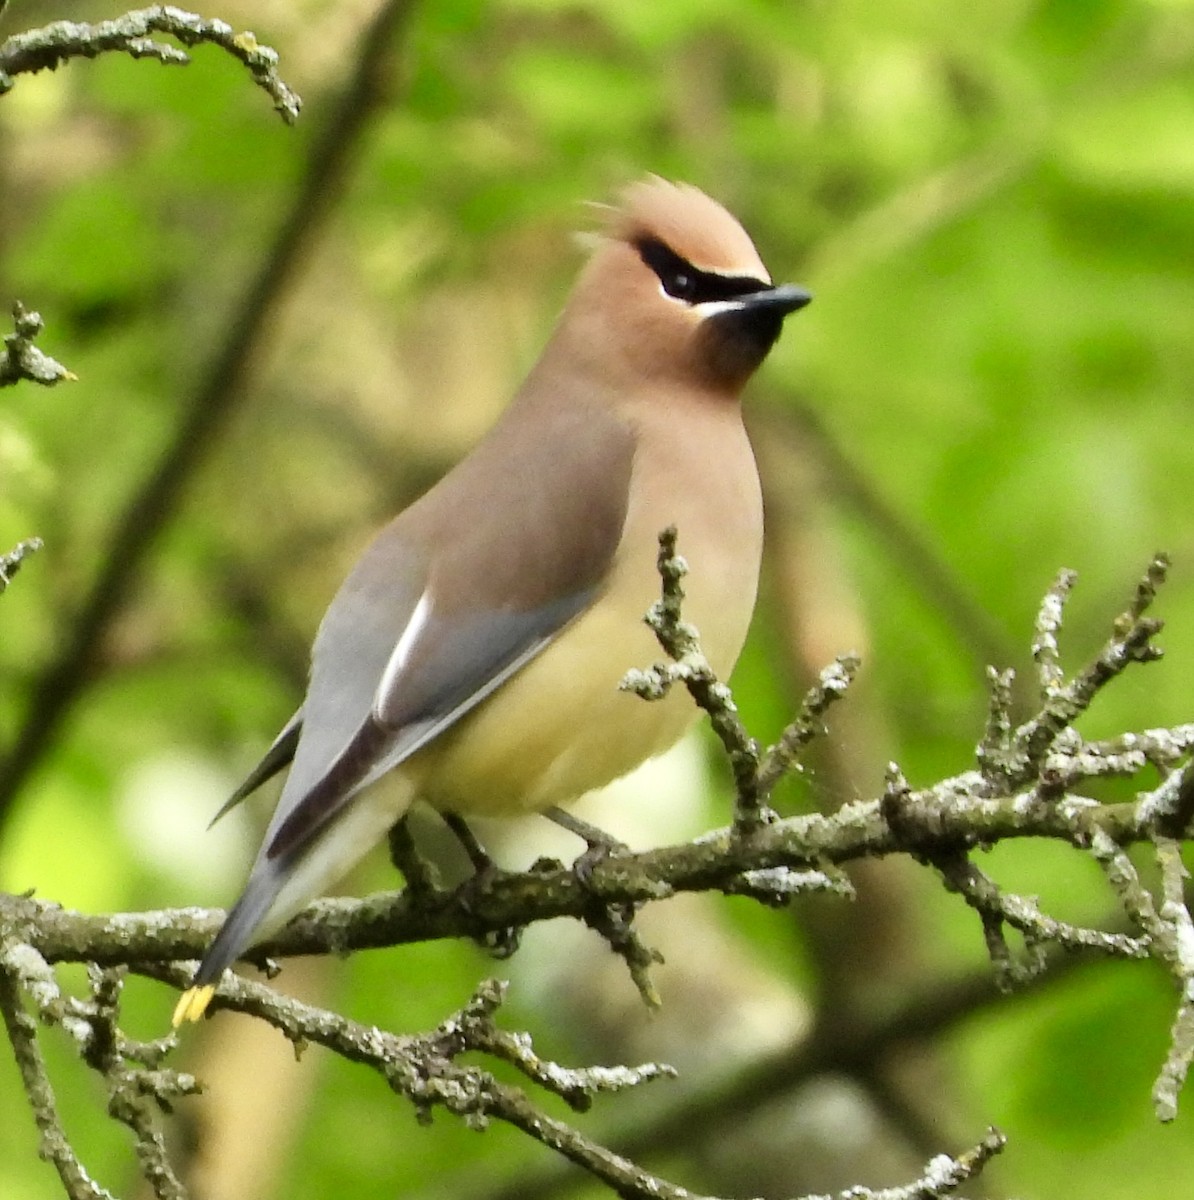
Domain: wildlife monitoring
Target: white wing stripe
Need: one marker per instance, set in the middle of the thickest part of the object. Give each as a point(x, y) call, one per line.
point(406, 643)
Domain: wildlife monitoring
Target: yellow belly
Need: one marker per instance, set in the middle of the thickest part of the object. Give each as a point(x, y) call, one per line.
point(558, 729)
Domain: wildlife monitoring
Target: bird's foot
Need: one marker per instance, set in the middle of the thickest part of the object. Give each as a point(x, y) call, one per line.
point(470, 896)
point(599, 845)
point(505, 940)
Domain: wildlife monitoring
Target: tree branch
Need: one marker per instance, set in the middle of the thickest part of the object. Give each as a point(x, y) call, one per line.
point(22, 359)
point(47, 48)
point(10, 563)
point(20, 969)
point(1024, 785)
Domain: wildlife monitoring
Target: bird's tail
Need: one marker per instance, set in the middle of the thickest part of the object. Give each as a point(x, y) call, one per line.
point(280, 887)
point(249, 919)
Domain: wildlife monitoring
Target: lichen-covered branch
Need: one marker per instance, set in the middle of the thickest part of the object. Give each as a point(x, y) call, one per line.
point(1063, 702)
point(22, 359)
point(1027, 782)
point(10, 563)
point(755, 772)
point(21, 971)
point(690, 667)
point(426, 1071)
point(46, 48)
point(938, 818)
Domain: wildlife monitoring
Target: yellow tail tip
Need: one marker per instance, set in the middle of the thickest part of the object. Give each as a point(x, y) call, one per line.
point(192, 1004)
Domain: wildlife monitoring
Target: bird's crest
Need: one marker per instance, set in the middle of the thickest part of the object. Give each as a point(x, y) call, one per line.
point(688, 222)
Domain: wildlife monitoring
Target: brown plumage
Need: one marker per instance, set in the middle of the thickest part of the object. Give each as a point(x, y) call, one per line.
point(477, 646)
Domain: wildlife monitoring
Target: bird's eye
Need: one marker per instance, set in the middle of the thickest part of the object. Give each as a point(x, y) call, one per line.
point(678, 278)
point(680, 284)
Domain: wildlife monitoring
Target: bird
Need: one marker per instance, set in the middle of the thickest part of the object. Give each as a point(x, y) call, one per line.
point(476, 647)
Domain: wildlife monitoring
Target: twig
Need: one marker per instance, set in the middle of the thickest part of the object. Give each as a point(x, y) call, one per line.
point(1170, 928)
point(836, 1048)
point(690, 666)
point(46, 48)
point(755, 773)
point(134, 1088)
point(943, 1176)
point(424, 1070)
point(938, 824)
point(10, 563)
point(22, 1033)
point(784, 757)
point(22, 359)
point(996, 743)
point(1179, 950)
point(1131, 641)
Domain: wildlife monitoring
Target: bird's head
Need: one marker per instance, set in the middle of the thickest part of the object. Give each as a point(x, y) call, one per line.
point(676, 290)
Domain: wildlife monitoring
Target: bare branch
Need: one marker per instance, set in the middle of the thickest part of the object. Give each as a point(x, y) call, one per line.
point(1131, 641)
point(755, 773)
point(17, 964)
point(1015, 793)
point(690, 667)
point(943, 1176)
point(783, 758)
point(22, 359)
point(47, 48)
point(10, 563)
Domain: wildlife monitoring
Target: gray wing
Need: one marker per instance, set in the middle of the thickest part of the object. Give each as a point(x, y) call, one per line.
point(461, 663)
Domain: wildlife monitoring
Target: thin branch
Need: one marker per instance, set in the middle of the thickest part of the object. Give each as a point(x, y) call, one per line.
point(755, 773)
point(22, 359)
point(1064, 703)
point(137, 1085)
point(769, 857)
point(784, 757)
point(690, 667)
point(1045, 651)
point(15, 962)
point(1179, 950)
point(425, 1070)
point(47, 48)
point(853, 1047)
point(10, 563)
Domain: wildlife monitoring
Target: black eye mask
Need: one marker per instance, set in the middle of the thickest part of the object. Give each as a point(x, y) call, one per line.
point(682, 280)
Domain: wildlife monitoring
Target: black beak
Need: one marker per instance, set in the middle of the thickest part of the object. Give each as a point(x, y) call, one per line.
point(782, 300)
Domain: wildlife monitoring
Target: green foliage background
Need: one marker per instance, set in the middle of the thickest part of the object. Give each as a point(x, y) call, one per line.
point(992, 205)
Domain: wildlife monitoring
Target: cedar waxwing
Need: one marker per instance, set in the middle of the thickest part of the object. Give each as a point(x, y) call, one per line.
point(478, 644)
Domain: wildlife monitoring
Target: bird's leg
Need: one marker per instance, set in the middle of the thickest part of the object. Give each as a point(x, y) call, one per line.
point(599, 844)
point(500, 943)
point(422, 879)
point(483, 864)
